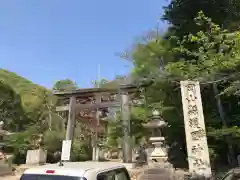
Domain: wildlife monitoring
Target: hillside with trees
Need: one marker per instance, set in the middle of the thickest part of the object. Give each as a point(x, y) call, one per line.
point(27, 109)
point(27, 97)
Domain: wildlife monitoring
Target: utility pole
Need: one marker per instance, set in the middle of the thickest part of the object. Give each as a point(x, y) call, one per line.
point(125, 118)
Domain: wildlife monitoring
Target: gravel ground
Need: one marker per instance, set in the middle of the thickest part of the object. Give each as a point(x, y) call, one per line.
point(17, 177)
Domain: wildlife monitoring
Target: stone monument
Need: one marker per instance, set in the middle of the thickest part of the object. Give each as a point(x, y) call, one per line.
point(159, 152)
point(37, 155)
point(197, 147)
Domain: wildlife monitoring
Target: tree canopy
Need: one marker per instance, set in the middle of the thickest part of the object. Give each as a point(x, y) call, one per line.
point(181, 13)
point(202, 51)
point(64, 85)
point(26, 108)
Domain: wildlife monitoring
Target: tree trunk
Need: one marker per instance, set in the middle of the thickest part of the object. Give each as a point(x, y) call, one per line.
point(232, 159)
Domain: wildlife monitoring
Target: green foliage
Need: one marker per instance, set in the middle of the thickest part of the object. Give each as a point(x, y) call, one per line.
point(52, 140)
point(64, 85)
point(149, 57)
point(81, 151)
point(26, 95)
point(18, 144)
point(181, 13)
point(210, 54)
point(28, 109)
point(224, 132)
point(137, 132)
point(205, 55)
point(11, 111)
point(201, 51)
point(233, 89)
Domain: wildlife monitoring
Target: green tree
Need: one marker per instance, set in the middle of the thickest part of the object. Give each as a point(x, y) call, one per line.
point(50, 119)
point(18, 144)
point(181, 13)
point(210, 55)
point(65, 85)
point(207, 54)
point(11, 110)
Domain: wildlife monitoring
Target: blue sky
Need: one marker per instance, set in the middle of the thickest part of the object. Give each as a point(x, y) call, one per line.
point(49, 40)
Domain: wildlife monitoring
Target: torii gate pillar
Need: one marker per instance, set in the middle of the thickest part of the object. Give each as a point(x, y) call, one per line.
point(71, 119)
point(125, 118)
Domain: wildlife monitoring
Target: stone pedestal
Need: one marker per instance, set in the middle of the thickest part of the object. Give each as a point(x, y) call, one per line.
point(159, 153)
point(38, 156)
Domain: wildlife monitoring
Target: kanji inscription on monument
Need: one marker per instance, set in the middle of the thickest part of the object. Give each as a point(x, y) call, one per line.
point(197, 147)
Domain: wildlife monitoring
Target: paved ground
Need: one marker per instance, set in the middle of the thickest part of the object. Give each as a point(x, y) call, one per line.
point(17, 177)
point(18, 173)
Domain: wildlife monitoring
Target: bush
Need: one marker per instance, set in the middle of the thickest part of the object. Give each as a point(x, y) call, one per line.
point(81, 151)
point(52, 141)
point(18, 144)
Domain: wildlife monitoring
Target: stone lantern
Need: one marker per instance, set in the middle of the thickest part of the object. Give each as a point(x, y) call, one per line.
point(3, 134)
point(155, 125)
point(5, 160)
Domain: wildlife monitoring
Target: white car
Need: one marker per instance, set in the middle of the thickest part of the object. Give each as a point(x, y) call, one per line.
point(78, 171)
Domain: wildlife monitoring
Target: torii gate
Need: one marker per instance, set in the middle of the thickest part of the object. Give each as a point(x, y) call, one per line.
point(96, 98)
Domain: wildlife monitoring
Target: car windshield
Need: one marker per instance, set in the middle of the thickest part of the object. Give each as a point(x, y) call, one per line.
point(47, 177)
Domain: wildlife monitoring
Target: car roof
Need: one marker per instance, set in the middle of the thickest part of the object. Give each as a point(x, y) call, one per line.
point(75, 168)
